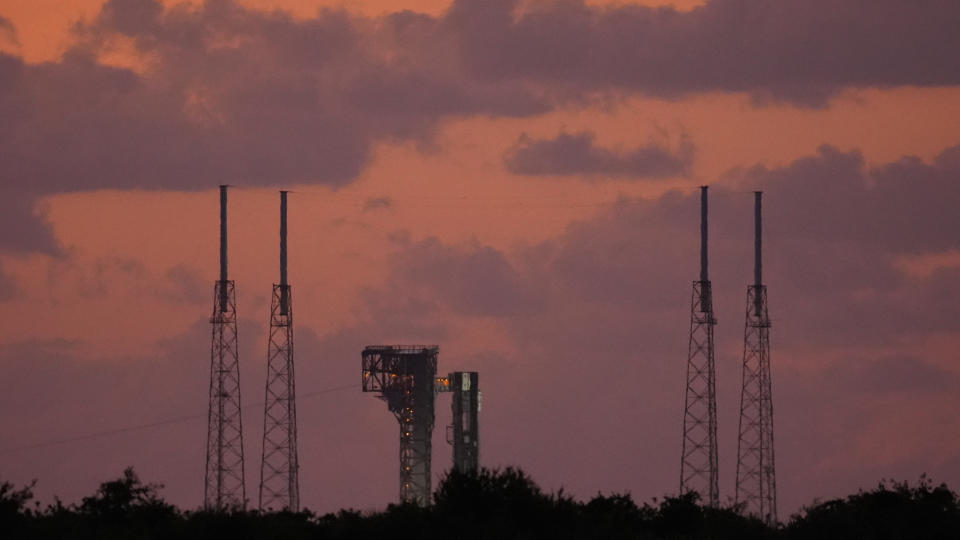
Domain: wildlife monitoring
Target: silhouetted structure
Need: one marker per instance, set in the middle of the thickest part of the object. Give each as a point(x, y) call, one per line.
point(464, 431)
point(405, 376)
point(756, 472)
point(279, 467)
point(224, 479)
point(698, 463)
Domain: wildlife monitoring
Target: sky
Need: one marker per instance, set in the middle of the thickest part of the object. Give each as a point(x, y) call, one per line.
point(514, 180)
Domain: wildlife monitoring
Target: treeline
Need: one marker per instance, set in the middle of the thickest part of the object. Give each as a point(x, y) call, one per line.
point(495, 504)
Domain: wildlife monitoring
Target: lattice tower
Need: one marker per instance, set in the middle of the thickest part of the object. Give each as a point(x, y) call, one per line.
point(698, 463)
point(279, 467)
point(224, 487)
point(756, 487)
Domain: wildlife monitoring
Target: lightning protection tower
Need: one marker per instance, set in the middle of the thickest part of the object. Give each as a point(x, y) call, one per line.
point(279, 468)
point(698, 464)
point(464, 433)
point(404, 375)
point(756, 474)
point(224, 479)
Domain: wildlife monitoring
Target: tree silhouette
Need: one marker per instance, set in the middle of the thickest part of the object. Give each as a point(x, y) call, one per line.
point(898, 511)
point(489, 504)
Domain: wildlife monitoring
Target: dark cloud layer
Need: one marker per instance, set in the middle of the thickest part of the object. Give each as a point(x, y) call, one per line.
point(233, 95)
point(577, 154)
point(796, 51)
point(230, 96)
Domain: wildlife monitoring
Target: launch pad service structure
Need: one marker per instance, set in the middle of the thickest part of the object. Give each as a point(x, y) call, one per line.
point(405, 376)
point(464, 433)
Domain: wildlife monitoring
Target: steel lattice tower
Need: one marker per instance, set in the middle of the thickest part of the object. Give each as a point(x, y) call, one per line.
point(756, 471)
point(405, 377)
point(224, 487)
point(279, 468)
point(698, 464)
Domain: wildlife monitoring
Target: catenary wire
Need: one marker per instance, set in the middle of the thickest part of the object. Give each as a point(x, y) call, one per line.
point(158, 423)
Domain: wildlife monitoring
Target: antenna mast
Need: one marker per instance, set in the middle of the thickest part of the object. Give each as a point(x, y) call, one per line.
point(756, 471)
point(279, 469)
point(224, 487)
point(698, 463)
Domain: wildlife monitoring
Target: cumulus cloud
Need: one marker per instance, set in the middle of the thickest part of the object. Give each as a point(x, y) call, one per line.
point(570, 154)
point(229, 95)
point(899, 207)
point(835, 231)
point(473, 279)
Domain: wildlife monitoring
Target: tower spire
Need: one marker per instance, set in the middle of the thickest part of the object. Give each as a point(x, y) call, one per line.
point(283, 238)
point(757, 239)
point(703, 234)
point(284, 286)
point(223, 247)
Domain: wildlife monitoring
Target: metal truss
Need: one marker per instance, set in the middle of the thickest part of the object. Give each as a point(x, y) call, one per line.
point(279, 468)
point(756, 471)
point(698, 465)
point(224, 479)
point(405, 376)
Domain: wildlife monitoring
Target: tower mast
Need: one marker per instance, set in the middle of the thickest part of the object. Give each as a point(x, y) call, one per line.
point(698, 463)
point(279, 468)
point(224, 486)
point(756, 472)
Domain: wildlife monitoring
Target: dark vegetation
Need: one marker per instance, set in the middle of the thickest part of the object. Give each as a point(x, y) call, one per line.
point(494, 504)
